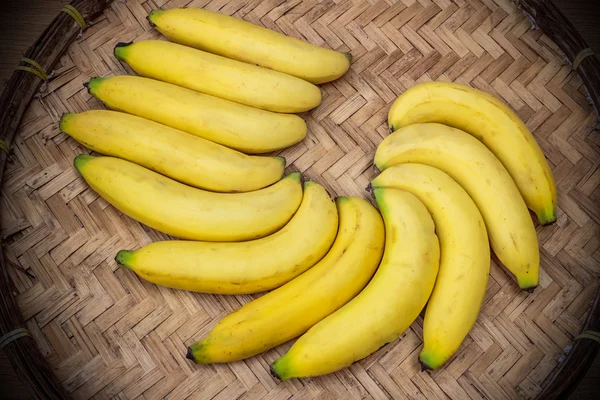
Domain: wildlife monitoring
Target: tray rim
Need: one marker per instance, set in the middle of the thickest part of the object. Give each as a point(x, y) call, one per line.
point(21, 88)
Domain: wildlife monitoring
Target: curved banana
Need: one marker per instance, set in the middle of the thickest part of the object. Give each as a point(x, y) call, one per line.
point(386, 307)
point(492, 122)
point(185, 212)
point(290, 310)
point(478, 171)
point(234, 125)
point(465, 257)
point(176, 154)
point(242, 267)
point(219, 76)
point(240, 40)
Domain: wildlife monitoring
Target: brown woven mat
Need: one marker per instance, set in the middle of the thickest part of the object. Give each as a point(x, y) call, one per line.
point(107, 333)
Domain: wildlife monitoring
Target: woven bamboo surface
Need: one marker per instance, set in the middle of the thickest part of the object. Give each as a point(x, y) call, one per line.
point(107, 333)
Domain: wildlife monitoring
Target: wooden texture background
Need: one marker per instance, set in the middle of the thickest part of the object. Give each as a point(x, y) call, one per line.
point(109, 334)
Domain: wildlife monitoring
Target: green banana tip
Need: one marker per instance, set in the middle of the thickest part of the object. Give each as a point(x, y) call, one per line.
point(120, 50)
point(81, 160)
point(153, 14)
point(282, 160)
point(123, 258)
point(197, 353)
point(529, 280)
point(377, 193)
point(342, 199)
point(279, 369)
point(274, 373)
point(429, 361)
point(64, 119)
point(93, 83)
point(547, 217)
point(308, 183)
point(297, 176)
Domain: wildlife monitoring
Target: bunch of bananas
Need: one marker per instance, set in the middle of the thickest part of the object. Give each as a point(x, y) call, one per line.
point(458, 172)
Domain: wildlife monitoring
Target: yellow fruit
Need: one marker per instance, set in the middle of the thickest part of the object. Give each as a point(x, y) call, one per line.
point(179, 155)
point(188, 213)
point(242, 267)
point(234, 125)
point(492, 122)
point(386, 307)
point(478, 171)
point(291, 309)
point(219, 76)
point(243, 41)
point(465, 257)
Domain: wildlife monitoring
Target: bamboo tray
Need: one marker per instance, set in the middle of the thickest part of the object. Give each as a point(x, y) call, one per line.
point(96, 331)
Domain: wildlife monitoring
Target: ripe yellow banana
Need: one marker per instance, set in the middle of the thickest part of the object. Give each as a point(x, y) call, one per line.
point(188, 213)
point(386, 307)
point(234, 125)
point(179, 155)
point(219, 76)
point(293, 308)
point(478, 171)
point(242, 267)
point(492, 122)
point(243, 41)
point(465, 257)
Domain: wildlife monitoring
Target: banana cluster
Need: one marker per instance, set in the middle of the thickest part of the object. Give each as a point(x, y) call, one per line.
point(181, 152)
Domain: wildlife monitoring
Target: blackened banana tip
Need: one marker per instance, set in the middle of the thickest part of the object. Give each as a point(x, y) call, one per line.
point(122, 44)
point(152, 24)
point(424, 367)
point(273, 373)
point(189, 355)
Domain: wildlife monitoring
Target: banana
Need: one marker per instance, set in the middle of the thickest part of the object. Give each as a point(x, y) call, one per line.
point(386, 307)
point(185, 212)
point(493, 123)
point(219, 76)
point(243, 41)
point(293, 308)
point(234, 125)
point(465, 257)
point(179, 155)
point(478, 171)
point(242, 267)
